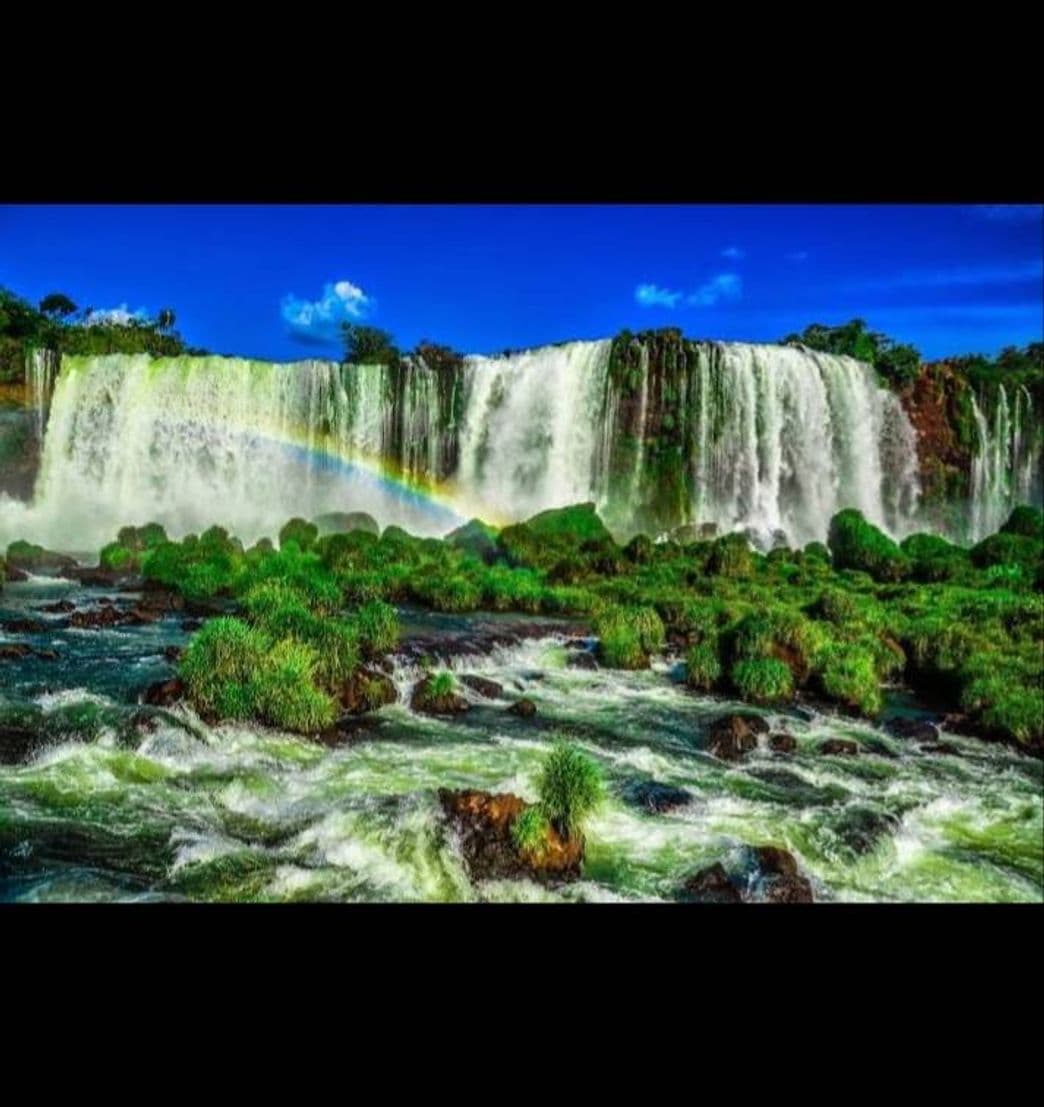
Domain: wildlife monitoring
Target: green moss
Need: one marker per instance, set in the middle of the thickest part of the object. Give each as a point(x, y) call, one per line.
point(850, 677)
point(762, 681)
point(856, 544)
point(703, 667)
point(299, 531)
point(529, 830)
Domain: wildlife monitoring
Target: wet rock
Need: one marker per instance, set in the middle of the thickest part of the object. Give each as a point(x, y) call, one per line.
point(581, 659)
point(940, 747)
point(779, 878)
point(841, 746)
point(96, 577)
point(164, 693)
point(106, 615)
point(861, 828)
point(482, 821)
point(655, 797)
point(349, 729)
point(524, 707)
point(794, 789)
point(425, 700)
point(489, 689)
point(782, 743)
point(917, 730)
point(59, 607)
point(732, 737)
point(12, 651)
point(24, 626)
point(190, 626)
point(712, 885)
point(17, 743)
point(367, 690)
point(35, 559)
point(14, 575)
point(172, 653)
point(47, 655)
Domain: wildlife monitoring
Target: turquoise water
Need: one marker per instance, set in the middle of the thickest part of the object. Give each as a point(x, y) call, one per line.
point(128, 803)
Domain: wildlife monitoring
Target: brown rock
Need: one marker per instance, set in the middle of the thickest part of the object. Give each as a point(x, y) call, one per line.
point(367, 690)
point(782, 881)
point(524, 707)
point(24, 626)
point(488, 689)
point(844, 746)
point(782, 743)
point(712, 885)
point(424, 700)
point(483, 822)
point(59, 607)
point(164, 693)
point(732, 737)
point(10, 651)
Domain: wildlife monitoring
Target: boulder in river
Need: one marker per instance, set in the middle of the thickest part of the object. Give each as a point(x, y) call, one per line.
point(918, 730)
point(782, 742)
point(842, 746)
point(23, 626)
point(429, 699)
point(779, 879)
point(367, 690)
point(732, 737)
point(13, 651)
point(524, 707)
point(488, 689)
point(655, 797)
point(17, 743)
point(59, 607)
point(164, 693)
point(712, 885)
point(483, 820)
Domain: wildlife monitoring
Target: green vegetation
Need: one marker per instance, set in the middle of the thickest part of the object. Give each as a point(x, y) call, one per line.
point(442, 685)
point(897, 362)
point(58, 324)
point(368, 345)
point(570, 787)
point(529, 830)
point(764, 680)
point(966, 627)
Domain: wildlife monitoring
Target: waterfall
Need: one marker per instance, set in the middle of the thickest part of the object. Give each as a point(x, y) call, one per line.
point(193, 441)
point(1006, 466)
point(656, 430)
point(40, 372)
point(530, 429)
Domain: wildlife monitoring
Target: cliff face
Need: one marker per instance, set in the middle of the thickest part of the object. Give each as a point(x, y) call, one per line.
point(938, 404)
point(19, 443)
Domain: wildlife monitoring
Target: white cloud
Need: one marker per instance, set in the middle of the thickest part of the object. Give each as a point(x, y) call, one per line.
point(320, 320)
point(651, 295)
point(120, 316)
point(734, 253)
point(797, 255)
point(725, 286)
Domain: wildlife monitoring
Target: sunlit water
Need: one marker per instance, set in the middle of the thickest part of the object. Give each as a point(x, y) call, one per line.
point(110, 810)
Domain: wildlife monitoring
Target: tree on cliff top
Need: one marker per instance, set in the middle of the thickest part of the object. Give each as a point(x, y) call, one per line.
point(897, 362)
point(57, 305)
point(368, 345)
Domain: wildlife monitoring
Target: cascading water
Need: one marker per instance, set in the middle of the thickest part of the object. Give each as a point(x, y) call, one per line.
point(530, 427)
point(41, 370)
point(766, 439)
point(190, 442)
point(1006, 467)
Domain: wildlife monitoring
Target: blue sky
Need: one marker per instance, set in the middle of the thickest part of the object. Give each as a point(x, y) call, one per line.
point(273, 282)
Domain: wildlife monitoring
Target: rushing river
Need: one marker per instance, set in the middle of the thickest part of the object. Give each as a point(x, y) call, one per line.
point(128, 803)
